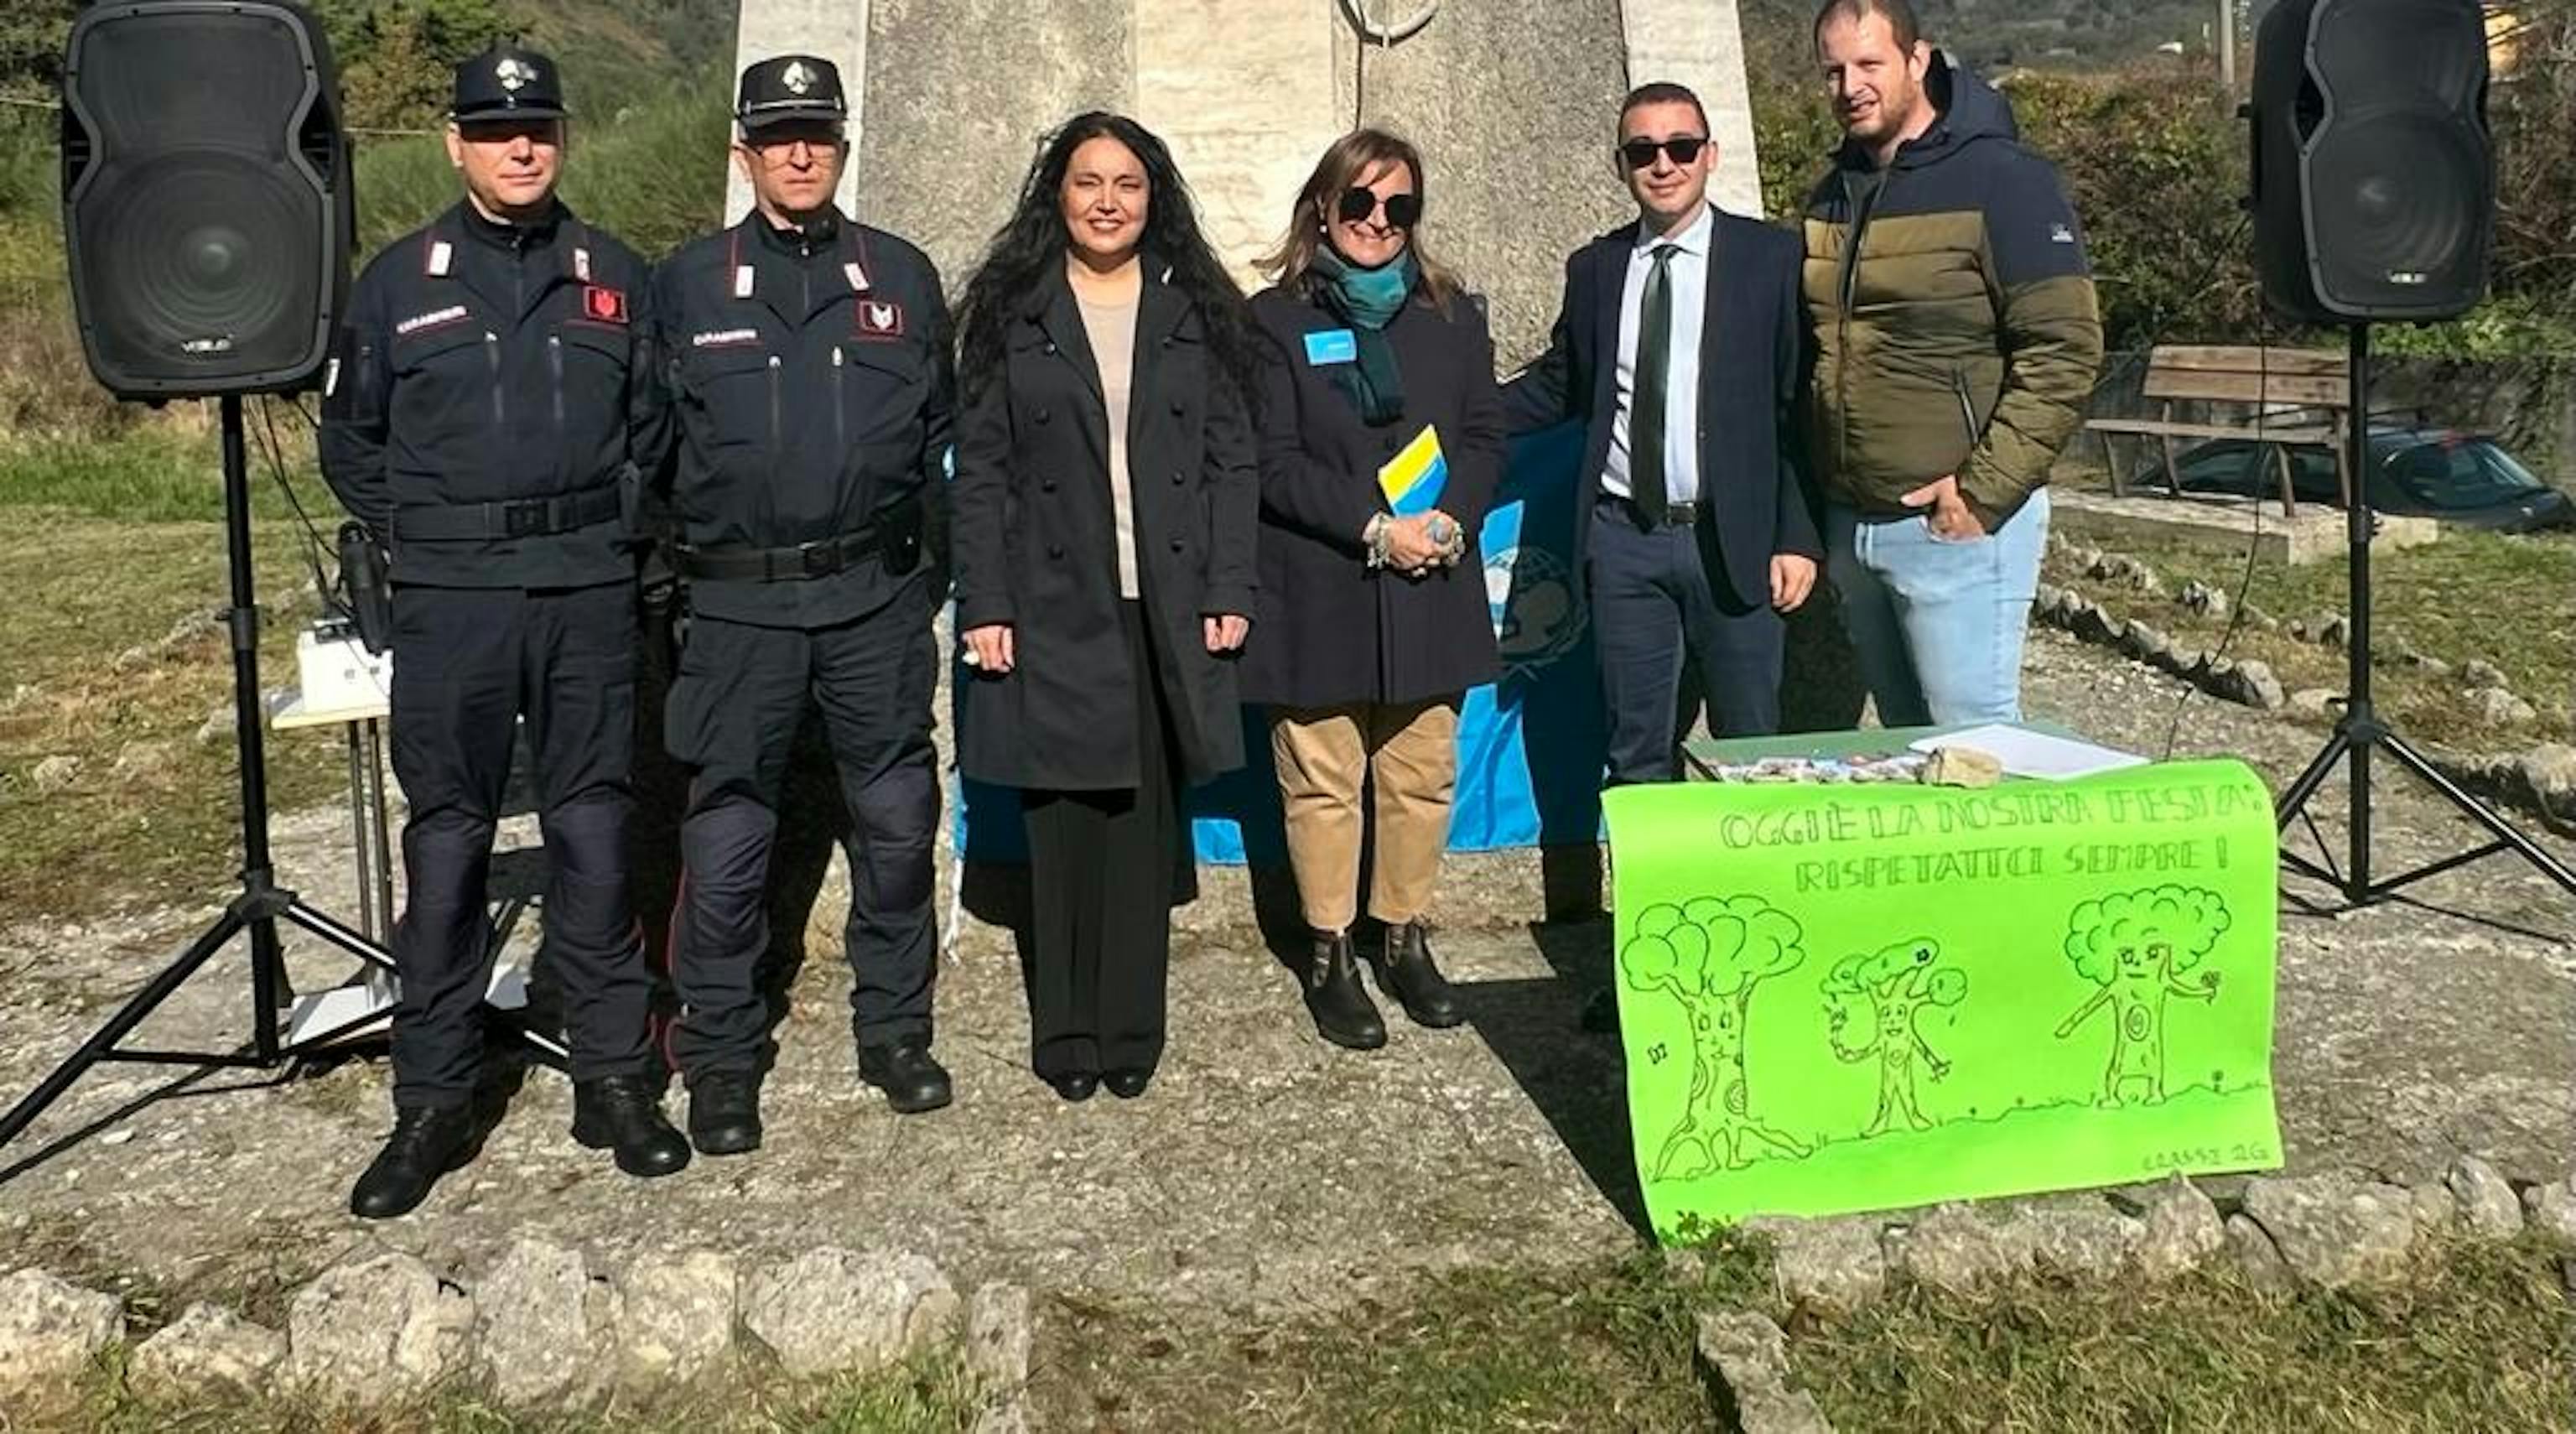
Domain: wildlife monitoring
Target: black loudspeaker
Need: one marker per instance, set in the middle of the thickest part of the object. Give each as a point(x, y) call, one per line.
point(2374, 175)
point(206, 196)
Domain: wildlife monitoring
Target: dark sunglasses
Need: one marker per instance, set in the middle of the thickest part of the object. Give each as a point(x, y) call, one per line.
point(1685, 148)
point(1403, 211)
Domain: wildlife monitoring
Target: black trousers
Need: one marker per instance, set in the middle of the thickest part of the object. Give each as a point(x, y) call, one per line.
point(468, 664)
point(732, 716)
point(1102, 872)
point(1653, 607)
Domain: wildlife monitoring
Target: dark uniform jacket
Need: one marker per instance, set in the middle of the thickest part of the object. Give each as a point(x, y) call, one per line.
point(1036, 546)
point(1752, 372)
point(810, 380)
point(488, 376)
point(1956, 328)
point(1336, 630)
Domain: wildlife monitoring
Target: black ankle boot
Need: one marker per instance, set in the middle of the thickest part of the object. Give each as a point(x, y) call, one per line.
point(1343, 1012)
point(724, 1112)
point(1413, 978)
point(624, 1114)
point(913, 1080)
point(427, 1142)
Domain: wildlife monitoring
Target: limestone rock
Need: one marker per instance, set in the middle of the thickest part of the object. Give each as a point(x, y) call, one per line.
point(2336, 1232)
point(1751, 1357)
point(2094, 625)
point(1832, 1267)
point(2315, 701)
point(379, 1330)
point(2551, 1209)
point(2499, 708)
point(2145, 643)
point(2488, 1207)
point(2249, 683)
point(2436, 1213)
point(1000, 1335)
point(546, 1334)
point(1956, 1249)
point(55, 773)
point(831, 1310)
point(218, 726)
point(50, 1330)
point(1962, 767)
point(2178, 1229)
point(207, 1350)
point(2208, 601)
point(2256, 1256)
point(2079, 1239)
point(674, 1316)
point(2481, 675)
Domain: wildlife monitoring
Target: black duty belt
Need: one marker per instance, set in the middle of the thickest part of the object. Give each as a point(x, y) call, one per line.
point(819, 559)
point(522, 518)
point(1677, 514)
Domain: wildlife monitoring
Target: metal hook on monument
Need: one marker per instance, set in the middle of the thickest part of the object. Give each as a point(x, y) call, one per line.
point(1389, 33)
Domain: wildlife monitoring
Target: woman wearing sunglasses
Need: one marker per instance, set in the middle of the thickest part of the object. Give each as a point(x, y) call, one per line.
point(1105, 512)
point(1381, 444)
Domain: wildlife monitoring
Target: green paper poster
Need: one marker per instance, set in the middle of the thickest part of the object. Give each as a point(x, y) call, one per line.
point(1838, 998)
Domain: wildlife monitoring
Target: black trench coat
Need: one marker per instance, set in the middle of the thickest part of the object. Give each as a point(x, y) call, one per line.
point(1336, 630)
point(1035, 543)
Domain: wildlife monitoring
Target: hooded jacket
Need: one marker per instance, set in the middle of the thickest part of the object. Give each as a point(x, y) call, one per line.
point(1955, 324)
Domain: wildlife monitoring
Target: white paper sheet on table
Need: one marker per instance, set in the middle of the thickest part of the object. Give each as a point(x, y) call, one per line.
point(2025, 753)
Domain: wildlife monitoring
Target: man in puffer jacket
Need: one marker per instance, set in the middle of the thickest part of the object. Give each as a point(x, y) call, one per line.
point(1957, 340)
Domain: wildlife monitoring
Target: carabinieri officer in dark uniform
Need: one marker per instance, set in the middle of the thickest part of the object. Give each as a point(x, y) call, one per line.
point(485, 413)
point(807, 357)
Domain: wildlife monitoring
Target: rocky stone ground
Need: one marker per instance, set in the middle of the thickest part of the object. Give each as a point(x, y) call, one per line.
point(1264, 1171)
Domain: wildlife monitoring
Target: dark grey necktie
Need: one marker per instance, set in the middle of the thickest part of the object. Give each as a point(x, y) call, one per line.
point(1654, 377)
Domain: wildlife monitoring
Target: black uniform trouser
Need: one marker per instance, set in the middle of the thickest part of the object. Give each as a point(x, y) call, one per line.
point(1101, 873)
point(732, 717)
point(468, 664)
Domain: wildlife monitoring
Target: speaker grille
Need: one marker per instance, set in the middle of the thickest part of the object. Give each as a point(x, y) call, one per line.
point(205, 208)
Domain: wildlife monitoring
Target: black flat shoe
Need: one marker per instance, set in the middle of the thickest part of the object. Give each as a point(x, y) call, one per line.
point(1075, 1086)
point(1127, 1084)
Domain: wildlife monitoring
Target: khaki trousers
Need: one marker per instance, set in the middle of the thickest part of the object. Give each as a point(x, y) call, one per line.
point(1408, 758)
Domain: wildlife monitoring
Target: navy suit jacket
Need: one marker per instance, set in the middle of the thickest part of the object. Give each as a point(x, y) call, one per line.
point(1753, 369)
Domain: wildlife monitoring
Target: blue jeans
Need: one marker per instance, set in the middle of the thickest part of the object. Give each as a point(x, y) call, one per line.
point(1938, 625)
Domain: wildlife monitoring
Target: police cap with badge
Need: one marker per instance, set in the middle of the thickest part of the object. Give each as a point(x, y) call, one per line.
point(790, 89)
point(506, 84)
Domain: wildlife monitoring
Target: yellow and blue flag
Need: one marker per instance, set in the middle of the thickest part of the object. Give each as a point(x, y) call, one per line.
point(1413, 478)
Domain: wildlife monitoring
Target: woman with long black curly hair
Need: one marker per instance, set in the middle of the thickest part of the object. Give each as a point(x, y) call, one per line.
point(1106, 503)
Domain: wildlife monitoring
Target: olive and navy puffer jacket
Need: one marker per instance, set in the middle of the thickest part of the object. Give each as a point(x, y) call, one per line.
point(1954, 316)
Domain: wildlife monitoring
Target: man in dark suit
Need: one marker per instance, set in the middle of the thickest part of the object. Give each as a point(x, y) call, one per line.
point(1681, 347)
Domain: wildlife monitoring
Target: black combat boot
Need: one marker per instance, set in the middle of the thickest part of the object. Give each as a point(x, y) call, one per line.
point(1410, 975)
point(623, 1113)
point(724, 1112)
point(1343, 1012)
point(912, 1079)
point(427, 1142)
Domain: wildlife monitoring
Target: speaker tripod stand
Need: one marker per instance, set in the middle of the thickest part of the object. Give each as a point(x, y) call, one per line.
point(2363, 732)
point(254, 913)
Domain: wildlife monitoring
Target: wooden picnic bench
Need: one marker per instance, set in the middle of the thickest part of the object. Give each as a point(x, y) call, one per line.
point(2315, 384)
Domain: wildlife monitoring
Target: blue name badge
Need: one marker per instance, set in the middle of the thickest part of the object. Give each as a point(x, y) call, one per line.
point(1332, 346)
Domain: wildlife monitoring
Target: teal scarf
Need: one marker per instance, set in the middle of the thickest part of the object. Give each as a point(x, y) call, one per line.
point(1368, 300)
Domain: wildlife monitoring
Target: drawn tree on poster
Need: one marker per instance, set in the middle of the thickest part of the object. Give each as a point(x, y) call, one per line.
point(1888, 991)
point(2136, 946)
point(1709, 954)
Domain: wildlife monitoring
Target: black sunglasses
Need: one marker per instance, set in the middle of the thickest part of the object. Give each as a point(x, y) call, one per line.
point(1684, 148)
point(1403, 211)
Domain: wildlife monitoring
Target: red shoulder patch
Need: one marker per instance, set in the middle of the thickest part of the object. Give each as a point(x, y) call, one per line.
point(879, 318)
point(608, 306)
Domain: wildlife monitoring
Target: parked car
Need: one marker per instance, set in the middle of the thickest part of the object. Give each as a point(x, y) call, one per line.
point(2418, 472)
